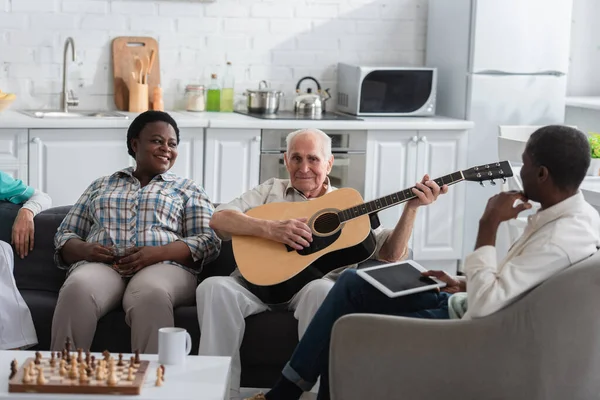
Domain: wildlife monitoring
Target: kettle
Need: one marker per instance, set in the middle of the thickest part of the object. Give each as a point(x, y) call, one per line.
point(310, 103)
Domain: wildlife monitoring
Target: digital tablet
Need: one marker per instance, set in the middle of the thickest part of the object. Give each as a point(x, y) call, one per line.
point(400, 278)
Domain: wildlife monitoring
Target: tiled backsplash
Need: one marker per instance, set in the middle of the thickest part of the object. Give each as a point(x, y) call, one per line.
point(276, 40)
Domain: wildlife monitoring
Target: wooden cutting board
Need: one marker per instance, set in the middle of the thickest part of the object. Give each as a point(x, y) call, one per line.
point(124, 50)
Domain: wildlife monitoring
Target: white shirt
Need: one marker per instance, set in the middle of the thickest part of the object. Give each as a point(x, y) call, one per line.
point(38, 202)
point(553, 240)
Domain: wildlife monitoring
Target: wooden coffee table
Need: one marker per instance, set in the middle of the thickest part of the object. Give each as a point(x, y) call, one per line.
point(200, 378)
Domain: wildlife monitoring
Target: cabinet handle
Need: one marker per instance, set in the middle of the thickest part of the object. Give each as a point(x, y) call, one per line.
point(415, 139)
point(424, 139)
point(36, 140)
point(257, 138)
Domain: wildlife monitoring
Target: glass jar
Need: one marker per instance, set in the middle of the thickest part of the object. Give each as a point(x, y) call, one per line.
point(194, 98)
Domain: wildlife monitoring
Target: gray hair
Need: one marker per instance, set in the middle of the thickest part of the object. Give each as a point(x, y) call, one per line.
point(325, 140)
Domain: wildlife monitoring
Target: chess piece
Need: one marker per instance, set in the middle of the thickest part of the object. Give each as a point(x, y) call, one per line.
point(79, 356)
point(159, 380)
point(137, 357)
point(13, 369)
point(131, 361)
point(106, 354)
point(120, 363)
point(93, 361)
point(99, 375)
point(38, 358)
point(130, 376)
point(62, 370)
point(112, 378)
point(26, 376)
point(41, 380)
point(73, 370)
point(88, 357)
point(163, 371)
point(52, 359)
point(83, 376)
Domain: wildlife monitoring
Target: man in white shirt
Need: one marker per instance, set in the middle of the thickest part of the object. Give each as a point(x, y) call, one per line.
point(224, 302)
point(16, 325)
point(563, 232)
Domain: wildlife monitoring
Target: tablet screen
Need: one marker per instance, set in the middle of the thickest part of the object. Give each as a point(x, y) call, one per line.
point(400, 277)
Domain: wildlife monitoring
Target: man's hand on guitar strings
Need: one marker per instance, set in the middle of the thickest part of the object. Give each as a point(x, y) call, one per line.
point(293, 232)
point(427, 191)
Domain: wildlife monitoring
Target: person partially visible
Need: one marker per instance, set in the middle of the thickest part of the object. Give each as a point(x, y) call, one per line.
point(137, 238)
point(564, 231)
point(16, 326)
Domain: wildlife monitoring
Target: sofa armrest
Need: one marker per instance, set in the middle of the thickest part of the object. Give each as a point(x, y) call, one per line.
point(386, 357)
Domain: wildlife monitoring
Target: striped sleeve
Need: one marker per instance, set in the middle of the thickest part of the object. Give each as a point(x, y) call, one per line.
point(197, 234)
point(76, 224)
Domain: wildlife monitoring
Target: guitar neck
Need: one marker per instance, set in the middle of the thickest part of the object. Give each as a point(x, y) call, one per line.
point(393, 199)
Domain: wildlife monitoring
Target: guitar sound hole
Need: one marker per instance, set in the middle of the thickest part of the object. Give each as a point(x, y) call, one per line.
point(326, 223)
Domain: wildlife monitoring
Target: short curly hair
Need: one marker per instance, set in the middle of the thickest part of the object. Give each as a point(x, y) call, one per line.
point(140, 122)
point(564, 150)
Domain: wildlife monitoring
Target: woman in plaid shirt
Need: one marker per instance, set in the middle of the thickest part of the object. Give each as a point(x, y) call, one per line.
point(138, 238)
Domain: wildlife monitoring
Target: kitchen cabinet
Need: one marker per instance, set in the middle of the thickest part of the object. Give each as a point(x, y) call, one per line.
point(64, 162)
point(13, 153)
point(232, 162)
point(398, 159)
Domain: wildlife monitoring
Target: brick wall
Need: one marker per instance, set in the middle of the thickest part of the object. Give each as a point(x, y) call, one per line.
point(277, 40)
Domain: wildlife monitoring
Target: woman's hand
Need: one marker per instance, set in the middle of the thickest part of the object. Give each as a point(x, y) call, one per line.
point(22, 232)
point(139, 258)
point(95, 252)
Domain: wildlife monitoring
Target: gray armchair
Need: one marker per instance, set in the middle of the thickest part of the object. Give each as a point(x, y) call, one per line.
point(544, 346)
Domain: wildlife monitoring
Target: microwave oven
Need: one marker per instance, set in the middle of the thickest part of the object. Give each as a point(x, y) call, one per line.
point(386, 91)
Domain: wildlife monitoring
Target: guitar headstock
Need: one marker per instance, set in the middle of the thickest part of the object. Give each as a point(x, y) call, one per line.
point(489, 172)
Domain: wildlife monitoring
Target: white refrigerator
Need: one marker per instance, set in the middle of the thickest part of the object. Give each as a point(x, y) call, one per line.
point(500, 62)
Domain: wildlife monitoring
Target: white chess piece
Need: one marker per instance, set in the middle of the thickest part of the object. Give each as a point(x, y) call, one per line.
point(130, 376)
point(41, 380)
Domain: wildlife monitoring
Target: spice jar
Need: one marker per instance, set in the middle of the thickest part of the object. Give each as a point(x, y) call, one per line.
point(194, 98)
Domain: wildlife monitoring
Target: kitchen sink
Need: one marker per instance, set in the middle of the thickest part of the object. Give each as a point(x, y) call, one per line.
point(73, 114)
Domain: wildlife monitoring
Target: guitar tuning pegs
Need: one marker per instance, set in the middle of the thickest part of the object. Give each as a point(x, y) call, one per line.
point(481, 183)
point(493, 182)
point(503, 180)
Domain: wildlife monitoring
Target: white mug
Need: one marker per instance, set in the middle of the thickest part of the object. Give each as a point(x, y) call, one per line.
point(174, 344)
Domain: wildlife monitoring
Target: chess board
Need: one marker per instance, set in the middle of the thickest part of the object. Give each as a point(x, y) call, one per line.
point(59, 384)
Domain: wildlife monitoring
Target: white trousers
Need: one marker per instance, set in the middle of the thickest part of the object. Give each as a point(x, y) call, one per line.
point(223, 304)
point(16, 325)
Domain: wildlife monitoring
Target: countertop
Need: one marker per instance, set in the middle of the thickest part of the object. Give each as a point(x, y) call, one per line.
point(14, 119)
point(589, 102)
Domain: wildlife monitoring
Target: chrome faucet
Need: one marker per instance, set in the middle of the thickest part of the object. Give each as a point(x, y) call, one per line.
point(67, 98)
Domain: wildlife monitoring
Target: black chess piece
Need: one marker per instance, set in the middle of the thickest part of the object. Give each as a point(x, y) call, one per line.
point(13, 369)
point(120, 362)
point(137, 357)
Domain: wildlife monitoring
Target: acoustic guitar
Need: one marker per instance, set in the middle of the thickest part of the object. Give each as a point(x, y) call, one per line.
point(341, 232)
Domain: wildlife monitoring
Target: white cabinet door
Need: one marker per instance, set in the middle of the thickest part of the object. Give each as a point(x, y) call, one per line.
point(439, 227)
point(190, 156)
point(64, 162)
point(15, 171)
point(13, 153)
point(232, 162)
point(391, 167)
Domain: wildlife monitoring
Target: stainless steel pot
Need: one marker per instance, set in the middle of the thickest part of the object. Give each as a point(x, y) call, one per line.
point(263, 100)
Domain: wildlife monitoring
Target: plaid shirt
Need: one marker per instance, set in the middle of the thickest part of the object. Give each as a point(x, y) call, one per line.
point(116, 211)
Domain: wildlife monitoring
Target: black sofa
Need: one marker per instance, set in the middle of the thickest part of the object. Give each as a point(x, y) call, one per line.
point(268, 343)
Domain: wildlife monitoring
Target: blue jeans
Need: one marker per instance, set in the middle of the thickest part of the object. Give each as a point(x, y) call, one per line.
point(352, 294)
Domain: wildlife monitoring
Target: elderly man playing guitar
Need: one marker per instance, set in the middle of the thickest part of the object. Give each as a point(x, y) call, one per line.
point(224, 302)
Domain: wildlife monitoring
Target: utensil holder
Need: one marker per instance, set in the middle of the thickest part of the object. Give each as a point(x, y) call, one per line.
point(138, 97)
